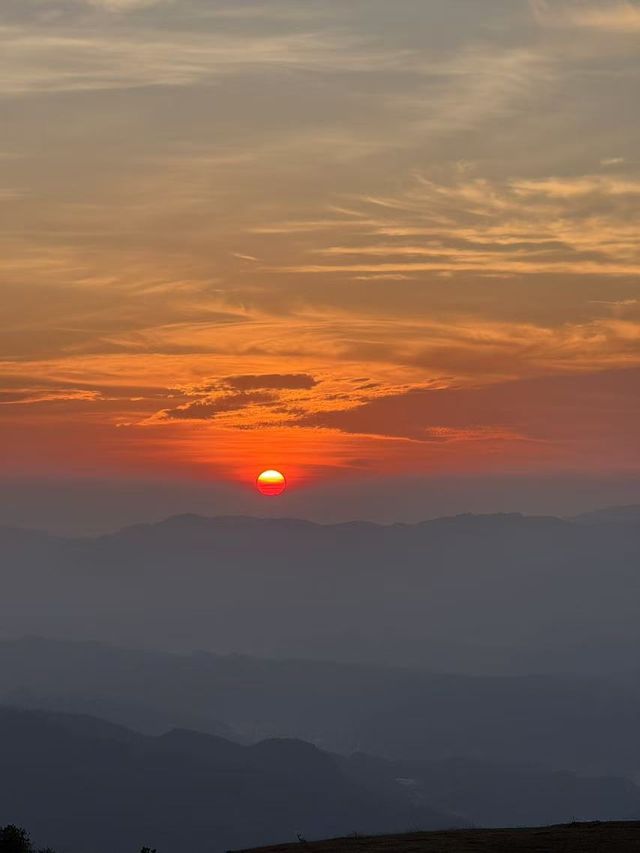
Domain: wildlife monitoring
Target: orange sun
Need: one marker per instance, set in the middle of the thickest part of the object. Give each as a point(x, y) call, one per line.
point(271, 483)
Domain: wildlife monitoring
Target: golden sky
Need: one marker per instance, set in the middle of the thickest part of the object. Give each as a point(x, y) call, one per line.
point(326, 236)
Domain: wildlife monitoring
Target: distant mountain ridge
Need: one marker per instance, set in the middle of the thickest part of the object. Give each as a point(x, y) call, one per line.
point(629, 514)
point(558, 722)
point(189, 520)
point(498, 593)
point(194, 520)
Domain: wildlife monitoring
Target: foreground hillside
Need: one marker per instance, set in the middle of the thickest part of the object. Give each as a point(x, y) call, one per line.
point(572, 838)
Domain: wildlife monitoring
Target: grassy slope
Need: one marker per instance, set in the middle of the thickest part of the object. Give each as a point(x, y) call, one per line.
point(572, 838)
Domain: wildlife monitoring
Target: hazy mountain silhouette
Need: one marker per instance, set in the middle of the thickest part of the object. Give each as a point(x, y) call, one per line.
point(500, 593)
point(488, 793)
point(612, 515)
point(87, 786)
point(497, 597)
point(564, 722)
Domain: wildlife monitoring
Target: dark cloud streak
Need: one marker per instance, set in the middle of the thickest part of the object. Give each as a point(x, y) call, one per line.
point(280, 381)
point(209, 408)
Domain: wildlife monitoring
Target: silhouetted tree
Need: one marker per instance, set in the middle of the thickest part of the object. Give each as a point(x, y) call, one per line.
point(14, 840)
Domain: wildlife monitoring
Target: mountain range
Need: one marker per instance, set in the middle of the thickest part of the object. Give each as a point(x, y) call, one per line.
point(88, 786)
point(207, 683)
point(575, 723)
point(474, 594)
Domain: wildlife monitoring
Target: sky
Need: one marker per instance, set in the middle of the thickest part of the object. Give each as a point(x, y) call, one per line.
point(354, 240)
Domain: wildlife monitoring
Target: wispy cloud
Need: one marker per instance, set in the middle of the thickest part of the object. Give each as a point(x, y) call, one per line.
point(123, 5)
point(34, 395)
point(593, 185)
point(474, 85)
point(614, 16)
point(50, 60)
point(582, 225)
point(241, 206)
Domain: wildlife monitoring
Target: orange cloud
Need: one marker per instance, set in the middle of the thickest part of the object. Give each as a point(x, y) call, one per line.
point(320, 248)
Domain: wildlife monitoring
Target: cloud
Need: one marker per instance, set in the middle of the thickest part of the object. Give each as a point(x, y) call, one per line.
point(27, 396)
point(557, 409)
point(577, 225)
point(242, 257)
point(124, 5)
point(473, 86)
point(459, 87)
point(418, 414)
point(273, 380)
point(587, 185)
point(613, 16)
point(209, 408)
point(410, 196)
point(49, 60)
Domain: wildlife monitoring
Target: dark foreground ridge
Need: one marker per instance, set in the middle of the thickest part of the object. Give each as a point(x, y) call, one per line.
point(569, 838)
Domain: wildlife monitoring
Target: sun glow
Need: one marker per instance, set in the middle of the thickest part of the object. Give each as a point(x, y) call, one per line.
point(271, 483)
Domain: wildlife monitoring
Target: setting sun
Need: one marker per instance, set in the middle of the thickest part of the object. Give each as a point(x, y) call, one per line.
point(271, 483)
